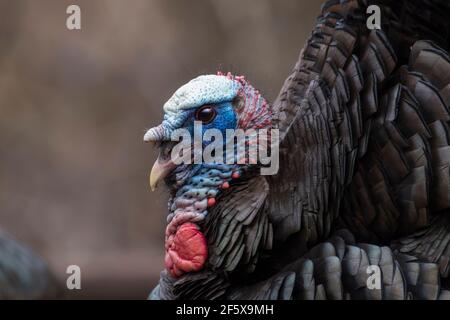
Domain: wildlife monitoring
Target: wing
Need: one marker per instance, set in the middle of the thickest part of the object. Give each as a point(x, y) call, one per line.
point(364, 122)
point(403, 180)
point(431, 244)
point(338, 269)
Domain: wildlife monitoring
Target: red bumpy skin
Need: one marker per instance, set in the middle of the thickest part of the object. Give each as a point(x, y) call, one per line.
point(186, 250)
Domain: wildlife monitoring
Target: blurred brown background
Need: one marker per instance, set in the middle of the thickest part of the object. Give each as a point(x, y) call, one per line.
point(74, 106)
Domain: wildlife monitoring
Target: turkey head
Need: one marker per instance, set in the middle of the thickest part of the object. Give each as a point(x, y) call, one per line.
point(224, 105)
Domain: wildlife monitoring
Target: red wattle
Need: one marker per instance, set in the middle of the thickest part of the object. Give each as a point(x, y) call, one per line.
point(186, 250)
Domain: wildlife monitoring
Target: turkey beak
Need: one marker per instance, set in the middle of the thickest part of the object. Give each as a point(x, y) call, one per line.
point(161, 168)
point(163, 165)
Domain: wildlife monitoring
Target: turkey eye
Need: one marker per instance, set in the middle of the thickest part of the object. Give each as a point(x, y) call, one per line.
point(205, 114)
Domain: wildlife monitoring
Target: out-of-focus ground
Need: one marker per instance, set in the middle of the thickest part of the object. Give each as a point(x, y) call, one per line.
point(74, 106)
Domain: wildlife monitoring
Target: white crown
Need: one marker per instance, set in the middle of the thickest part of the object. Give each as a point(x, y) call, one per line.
point(206, 89)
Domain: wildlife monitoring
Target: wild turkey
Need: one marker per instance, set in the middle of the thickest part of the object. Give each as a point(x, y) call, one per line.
point(23, 275)
point(364, 169)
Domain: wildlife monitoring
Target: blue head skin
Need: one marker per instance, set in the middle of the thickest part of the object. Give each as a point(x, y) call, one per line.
point(180, 109)
point(219, 102)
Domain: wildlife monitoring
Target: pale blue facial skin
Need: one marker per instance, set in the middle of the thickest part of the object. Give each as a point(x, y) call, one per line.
point(218, 92)
point(194, 184)
point(202, 174)
point(203, 180)
point(203, 90)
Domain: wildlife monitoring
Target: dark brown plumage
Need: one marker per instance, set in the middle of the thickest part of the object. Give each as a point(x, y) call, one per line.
point(364, 121)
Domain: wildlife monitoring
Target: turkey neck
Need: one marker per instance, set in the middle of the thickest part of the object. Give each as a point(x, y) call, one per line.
point(186, 245)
